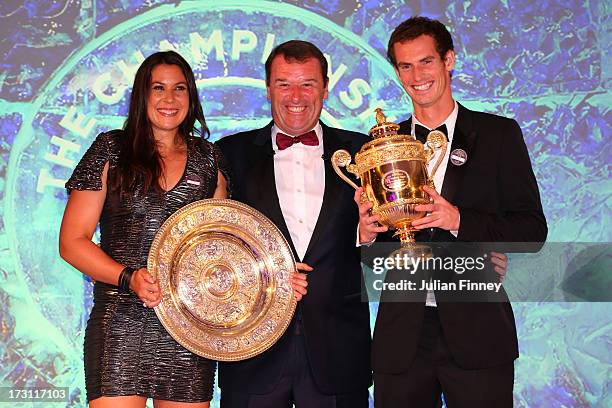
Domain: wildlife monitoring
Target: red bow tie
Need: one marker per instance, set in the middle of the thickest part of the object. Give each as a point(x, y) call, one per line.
point(309, 139)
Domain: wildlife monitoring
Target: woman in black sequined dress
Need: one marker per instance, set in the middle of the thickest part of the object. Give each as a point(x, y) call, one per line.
point(131, 181)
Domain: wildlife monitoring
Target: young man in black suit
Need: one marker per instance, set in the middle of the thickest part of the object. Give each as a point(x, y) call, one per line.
point(486, 192)
point(284, 171)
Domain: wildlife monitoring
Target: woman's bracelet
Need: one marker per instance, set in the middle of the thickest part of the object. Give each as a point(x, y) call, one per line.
point(125, 278)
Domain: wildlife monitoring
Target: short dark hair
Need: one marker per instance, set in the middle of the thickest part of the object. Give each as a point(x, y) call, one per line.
point(297, 50)
point(417, 26)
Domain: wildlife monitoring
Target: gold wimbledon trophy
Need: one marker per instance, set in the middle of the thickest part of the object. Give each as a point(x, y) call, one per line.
point(392, 169)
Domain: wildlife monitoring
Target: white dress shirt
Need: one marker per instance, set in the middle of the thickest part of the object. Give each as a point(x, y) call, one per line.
point(450, 122)
point(299, 174)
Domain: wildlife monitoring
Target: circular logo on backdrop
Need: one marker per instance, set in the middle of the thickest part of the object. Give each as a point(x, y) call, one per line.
point(226, 46)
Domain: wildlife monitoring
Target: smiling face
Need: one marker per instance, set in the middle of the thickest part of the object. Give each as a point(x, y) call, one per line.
point(425, 75)
point(296, 91)
point(168, 100)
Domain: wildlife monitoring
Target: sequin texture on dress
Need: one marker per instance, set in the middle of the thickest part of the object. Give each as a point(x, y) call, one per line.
point(126, 350)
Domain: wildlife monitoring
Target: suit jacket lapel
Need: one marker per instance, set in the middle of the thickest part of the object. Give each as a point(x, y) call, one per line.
point(262, 173)
point(333, 186)
point(463, 138)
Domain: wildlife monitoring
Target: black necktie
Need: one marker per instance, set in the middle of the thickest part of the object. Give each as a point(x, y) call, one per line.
point(421, 132)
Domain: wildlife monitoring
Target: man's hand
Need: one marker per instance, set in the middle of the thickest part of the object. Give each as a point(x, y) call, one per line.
point(500, 261)
point(441, 213)
point(298, 280)
point(368, 223)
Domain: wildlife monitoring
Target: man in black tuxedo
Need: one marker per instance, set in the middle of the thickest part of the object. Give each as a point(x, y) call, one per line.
point(487, 192)
point(284, 171)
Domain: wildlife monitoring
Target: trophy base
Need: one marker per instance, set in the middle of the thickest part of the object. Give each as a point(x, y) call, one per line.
point(409, 255)
point(409, 248)
point(406, 234)
point(413, 250)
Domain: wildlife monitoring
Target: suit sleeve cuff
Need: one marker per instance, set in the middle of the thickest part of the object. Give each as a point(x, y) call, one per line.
point(456, 232)
point(359, 244)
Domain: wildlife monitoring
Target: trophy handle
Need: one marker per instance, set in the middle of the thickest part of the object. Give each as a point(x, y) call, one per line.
point(342, 158)
point(436, 140)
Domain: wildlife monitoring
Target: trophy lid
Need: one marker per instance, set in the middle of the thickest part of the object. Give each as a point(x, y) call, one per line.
point(382, 127)
point(385, 136)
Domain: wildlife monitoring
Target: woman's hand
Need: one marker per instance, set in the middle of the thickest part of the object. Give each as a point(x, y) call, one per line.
point(146, 287)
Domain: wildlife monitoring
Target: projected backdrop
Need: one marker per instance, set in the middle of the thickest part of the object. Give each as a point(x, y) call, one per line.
point(67, 69)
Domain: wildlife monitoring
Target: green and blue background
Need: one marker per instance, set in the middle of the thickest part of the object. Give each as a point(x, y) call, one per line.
point(66, 71)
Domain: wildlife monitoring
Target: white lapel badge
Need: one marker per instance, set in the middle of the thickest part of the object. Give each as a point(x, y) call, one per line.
point(458, 157)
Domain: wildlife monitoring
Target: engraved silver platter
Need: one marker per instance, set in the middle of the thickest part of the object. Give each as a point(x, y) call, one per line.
point(223, 269)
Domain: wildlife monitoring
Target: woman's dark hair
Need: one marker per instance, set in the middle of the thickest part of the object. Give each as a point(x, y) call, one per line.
point(139, 159)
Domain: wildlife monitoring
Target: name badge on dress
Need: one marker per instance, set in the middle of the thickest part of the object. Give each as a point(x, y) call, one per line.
point(193, 179)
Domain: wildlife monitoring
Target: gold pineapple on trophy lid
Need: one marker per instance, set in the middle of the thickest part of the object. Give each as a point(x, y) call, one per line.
point(392, 169)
